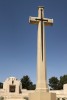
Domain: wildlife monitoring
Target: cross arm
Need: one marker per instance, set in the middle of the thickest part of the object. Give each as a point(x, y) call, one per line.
point(48, 21)
point(33, 20)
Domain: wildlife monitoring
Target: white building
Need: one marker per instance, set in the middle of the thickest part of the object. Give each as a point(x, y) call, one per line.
point(61, 94)
point(12, 90)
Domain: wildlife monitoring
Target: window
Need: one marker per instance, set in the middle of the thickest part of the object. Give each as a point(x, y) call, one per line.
point(63, 98)
point(12, 88)
point(58, 98)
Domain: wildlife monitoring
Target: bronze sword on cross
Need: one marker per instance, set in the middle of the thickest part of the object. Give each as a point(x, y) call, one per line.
point(41, 19)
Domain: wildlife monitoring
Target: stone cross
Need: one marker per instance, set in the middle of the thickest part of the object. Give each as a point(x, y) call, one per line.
point(41, 48)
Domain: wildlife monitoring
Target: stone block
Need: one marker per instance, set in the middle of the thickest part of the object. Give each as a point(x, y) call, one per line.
point(41, 95)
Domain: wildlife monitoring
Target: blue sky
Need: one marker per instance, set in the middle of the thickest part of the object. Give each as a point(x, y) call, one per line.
point(18, 38)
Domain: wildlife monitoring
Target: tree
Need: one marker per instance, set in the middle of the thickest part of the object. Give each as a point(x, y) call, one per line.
point(33, 87)
point(57, 84)
point(63, 80)
point(1, 85)
point(27, 83)
point(53, 83)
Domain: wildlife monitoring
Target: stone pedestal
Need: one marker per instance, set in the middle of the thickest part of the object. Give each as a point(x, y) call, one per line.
point(41, 95)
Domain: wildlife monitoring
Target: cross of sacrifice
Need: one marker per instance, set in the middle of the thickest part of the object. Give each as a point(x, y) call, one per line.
point(42, 22)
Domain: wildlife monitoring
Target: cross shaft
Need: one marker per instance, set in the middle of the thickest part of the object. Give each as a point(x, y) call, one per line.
point(41, 32)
